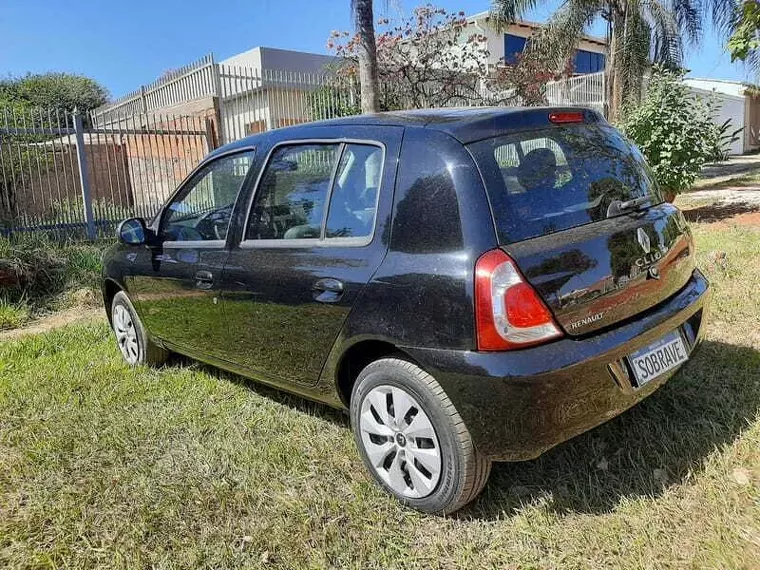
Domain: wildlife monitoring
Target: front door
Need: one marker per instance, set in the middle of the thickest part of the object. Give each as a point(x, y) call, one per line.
point(313, 238)
point(175, 280)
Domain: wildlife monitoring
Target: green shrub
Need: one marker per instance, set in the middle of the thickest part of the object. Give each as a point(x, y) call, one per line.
point(673, 127)
point(331, 101)
point(30, 267)
point(38, 274)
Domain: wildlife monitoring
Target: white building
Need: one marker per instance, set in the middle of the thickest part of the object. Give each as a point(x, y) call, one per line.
point(737, 103)
point(590, 56)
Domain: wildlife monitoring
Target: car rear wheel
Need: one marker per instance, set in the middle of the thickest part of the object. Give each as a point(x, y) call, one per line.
point(413, 440)
point(131, 337)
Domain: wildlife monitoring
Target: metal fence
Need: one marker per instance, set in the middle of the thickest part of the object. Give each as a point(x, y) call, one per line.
point(80, 176)
point(250, 100)
point(585, 90)
point(59, 175)
point(187, 83)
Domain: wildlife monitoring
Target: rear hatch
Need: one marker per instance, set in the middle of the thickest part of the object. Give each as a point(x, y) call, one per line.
point(577, 209)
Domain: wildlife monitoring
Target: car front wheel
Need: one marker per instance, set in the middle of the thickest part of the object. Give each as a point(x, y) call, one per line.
point(131, 336)
point(412, 439)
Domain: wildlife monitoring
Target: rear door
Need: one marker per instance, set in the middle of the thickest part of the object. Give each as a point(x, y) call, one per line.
point(314, 235)
point(562, 203)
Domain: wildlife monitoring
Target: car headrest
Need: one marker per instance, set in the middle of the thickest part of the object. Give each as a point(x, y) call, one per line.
point(537, 168)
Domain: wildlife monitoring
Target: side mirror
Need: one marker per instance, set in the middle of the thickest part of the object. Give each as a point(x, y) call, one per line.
point(132, 231)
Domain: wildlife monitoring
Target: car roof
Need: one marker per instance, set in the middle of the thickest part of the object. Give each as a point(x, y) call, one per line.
point(466, 124)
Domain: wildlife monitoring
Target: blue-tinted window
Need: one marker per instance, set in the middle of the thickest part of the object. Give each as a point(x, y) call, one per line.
point(582, 61)
point(513, 45)
point(600, 62)
point(588, 61)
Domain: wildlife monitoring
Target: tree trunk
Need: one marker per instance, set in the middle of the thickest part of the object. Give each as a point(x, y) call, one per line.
point(364, 21)
point(614, 70)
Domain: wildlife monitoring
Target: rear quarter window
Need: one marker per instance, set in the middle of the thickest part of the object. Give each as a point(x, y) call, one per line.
point(541, 182)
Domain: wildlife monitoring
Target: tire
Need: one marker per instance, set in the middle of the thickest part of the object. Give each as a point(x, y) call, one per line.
point(131, 337)
point(462, 471)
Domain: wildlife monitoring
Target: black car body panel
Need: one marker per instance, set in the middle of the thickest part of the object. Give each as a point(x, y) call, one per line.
point(519, 404)
point(287, 314)
point(269, 292)
point(596, 275)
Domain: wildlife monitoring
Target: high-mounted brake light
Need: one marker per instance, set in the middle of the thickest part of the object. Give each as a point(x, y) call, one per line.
point(566, 117)
point(509, 313)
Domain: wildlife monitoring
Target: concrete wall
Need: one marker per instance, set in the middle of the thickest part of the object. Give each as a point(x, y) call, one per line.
point(157, 163)
point(52, 192)
point(729, 107)
point(246, 115)
point(752, 123)
point(273, 58)
point(728, 87)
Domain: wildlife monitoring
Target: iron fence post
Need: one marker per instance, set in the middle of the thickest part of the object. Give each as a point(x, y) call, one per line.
point(216, 70)
point(143, 100)
point(84, 181)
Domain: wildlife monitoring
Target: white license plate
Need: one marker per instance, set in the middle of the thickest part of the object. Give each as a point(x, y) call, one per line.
point(657, 358)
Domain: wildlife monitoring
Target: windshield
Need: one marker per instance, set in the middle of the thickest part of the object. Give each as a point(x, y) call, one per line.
point(541, 182)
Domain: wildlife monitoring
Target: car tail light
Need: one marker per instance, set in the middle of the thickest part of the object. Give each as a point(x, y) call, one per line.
point(509, 313)
point(566, 117)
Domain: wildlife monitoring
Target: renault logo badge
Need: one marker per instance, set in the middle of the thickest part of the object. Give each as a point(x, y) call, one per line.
point(644, 240)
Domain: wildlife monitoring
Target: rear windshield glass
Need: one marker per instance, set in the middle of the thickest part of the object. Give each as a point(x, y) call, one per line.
point(541, 182)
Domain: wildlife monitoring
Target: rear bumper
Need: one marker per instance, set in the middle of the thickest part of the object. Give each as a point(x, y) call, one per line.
point(518, 404)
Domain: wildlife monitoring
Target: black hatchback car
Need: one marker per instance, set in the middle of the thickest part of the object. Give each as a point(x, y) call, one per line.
point(473, 285)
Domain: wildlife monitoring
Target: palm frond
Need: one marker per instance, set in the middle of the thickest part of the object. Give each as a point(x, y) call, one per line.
point(505, 12)
point(635, 46)
point(688, 16)
point(666, 39)
point(558, 38)
point(724, 14)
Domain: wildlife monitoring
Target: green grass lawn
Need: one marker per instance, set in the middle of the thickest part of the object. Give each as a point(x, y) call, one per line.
point(103, 466)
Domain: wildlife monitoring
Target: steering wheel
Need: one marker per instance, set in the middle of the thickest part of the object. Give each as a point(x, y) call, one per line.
point(213, 224)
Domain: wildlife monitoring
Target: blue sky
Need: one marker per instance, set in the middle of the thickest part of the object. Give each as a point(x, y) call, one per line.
point(125, 44)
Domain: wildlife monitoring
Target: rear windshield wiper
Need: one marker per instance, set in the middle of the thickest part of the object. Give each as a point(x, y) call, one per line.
point(618, 207)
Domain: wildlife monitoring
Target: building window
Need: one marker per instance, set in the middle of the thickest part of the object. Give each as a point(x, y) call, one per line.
point(588, 61)
point(513, 46)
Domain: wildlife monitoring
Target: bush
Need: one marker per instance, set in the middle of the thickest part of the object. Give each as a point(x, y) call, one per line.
point(38, 274)
point(674, 129)
point(331, 101)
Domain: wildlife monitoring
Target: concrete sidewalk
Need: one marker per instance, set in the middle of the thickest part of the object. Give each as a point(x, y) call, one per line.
point(734, 167)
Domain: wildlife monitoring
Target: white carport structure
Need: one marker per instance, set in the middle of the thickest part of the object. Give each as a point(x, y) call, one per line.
point(736, 102)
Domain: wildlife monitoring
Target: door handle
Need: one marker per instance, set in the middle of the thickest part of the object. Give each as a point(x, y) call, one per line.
point(204, 279)
point(327, 290)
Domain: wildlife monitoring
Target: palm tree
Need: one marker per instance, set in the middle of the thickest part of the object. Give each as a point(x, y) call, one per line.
point(364, 22)
point(639, 32)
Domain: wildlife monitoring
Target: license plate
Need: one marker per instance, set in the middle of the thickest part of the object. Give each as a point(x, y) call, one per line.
point(657, 358)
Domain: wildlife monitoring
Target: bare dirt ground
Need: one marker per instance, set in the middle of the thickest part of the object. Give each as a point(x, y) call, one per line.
point(727, 193)
point(736, 205)
point(54, 321)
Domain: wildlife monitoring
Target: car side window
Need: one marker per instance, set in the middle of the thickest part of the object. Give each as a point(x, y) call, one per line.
point(291, 196)
point(353, 200)
point(202, 210)
point(317, 192)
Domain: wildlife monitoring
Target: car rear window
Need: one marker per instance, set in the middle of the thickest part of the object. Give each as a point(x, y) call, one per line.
point(541, 182)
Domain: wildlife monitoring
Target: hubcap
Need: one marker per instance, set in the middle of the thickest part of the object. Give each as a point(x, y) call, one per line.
point(400, 441)
point(126, 335)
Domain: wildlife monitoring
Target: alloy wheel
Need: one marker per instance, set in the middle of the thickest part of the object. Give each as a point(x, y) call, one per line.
point(400, 441)
point(126, 335)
